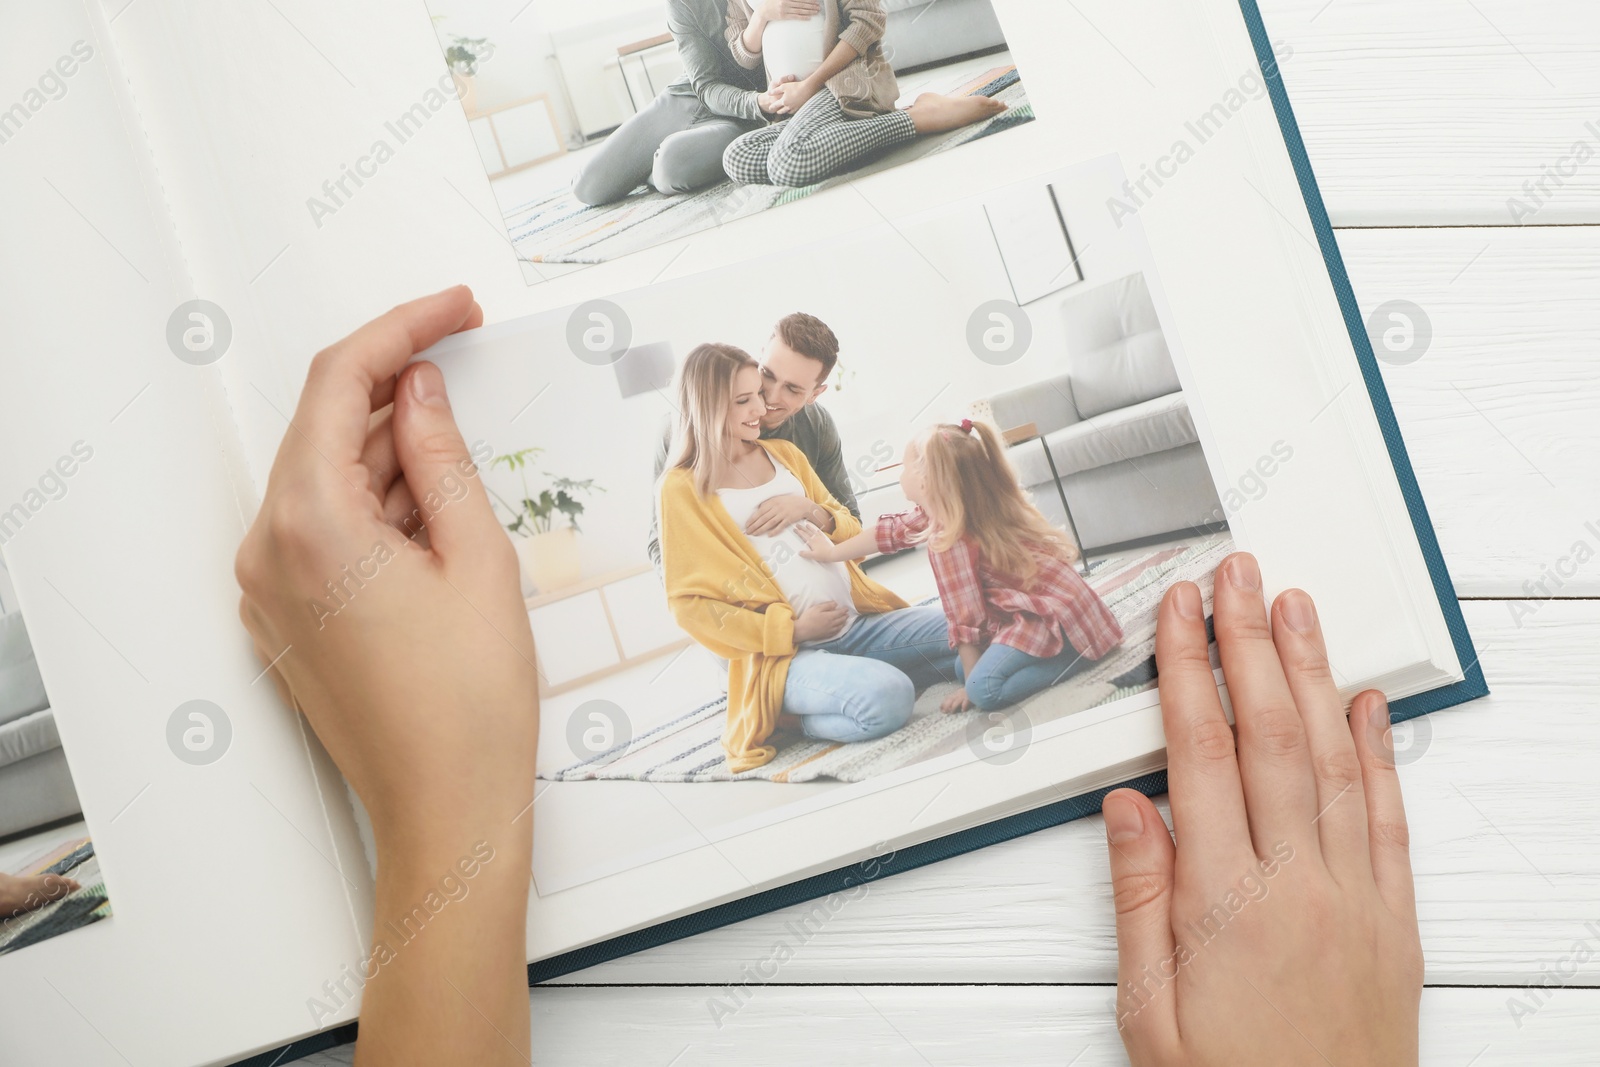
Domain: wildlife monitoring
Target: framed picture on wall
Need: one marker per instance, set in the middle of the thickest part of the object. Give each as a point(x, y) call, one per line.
point(1031, 233)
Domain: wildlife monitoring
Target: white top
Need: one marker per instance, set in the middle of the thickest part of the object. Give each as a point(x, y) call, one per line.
point(804, 582)
point(794, 46)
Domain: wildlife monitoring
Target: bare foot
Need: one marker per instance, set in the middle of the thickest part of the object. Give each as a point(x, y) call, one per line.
point(20, 893)
point(932, 113)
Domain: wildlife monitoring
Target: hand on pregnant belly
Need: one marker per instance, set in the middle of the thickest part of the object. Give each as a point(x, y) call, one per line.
point(777, 513)
point(820, 622)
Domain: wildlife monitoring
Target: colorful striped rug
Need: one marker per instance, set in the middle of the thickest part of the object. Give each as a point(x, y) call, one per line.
point(689, 748)
point(556, 228)
point(74, 858)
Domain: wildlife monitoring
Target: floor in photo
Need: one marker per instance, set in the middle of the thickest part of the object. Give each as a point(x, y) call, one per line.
point(687, 747)
point(549, 227)
point(66, 851)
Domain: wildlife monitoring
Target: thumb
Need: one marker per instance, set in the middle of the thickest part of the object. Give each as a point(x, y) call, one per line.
point(437, 467)
point(1142, 860)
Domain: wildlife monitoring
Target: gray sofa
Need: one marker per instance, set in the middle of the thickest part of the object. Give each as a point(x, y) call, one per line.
point(1116, 425)
point(35, 785)
point(924, 32)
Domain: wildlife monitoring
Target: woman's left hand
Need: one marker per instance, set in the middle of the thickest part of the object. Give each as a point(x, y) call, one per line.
point(790, 96)
point(777, 513)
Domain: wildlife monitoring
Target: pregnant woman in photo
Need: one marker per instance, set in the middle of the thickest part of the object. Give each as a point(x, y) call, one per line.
point(820, 641)
point(831, 92)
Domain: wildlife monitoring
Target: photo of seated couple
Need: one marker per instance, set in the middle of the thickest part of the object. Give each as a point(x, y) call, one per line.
point(760, 538)
point(827, 541)
point(660, 118)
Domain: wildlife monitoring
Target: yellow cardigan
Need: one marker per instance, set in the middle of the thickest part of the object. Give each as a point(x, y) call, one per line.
point(723, 595)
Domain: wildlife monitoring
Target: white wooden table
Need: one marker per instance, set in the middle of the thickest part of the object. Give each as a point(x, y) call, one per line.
point(1422, 118)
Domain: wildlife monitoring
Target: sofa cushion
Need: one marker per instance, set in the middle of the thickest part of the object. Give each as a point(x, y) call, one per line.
point(28, 736)
point(1115, 347)
point(921, 33)
point(1127, 433)
point(21, 688)
point(1047, 404)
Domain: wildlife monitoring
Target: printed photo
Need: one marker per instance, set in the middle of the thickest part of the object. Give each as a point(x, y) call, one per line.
point(610, 127)
point(50, 881)
point(783, 548)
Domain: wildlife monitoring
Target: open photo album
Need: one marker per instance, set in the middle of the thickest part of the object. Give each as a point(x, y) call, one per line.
point(852, 388)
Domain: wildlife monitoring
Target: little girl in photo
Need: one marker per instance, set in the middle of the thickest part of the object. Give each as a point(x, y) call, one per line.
point(1021, 618)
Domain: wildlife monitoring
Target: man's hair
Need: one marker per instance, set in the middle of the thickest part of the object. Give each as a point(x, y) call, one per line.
point(809, 336)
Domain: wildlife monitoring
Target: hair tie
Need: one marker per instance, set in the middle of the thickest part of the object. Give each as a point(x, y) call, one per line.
point(966, 425)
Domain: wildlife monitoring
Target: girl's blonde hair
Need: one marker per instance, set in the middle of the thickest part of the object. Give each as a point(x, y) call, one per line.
point(973, 492)
point(705, 392)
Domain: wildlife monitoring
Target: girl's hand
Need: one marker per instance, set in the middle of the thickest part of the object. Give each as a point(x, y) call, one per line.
point(956, 701)
point(1286, 912)
point(818, 545)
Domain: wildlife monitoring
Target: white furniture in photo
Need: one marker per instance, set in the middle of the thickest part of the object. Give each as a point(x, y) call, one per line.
point(511, 137)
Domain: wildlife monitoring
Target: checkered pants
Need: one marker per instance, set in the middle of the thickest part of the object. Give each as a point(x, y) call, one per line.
point(818, 141)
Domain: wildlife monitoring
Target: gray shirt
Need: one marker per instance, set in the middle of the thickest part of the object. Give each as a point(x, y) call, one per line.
point(812, 431)
point(710, 72)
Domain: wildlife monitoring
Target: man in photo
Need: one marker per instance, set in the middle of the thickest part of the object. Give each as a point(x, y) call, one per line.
point(676, 143)
point(799, 359)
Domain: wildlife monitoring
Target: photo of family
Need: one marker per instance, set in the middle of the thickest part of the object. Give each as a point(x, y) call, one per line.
point(610, 127)
point(780, 549)
point(49, 878)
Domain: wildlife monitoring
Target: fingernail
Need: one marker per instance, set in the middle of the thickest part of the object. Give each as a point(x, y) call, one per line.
point(1244, 574)
point(1186, 600)
point(1298, 613)
point(1378, 735)
point(1123, 821)
point(427, 385)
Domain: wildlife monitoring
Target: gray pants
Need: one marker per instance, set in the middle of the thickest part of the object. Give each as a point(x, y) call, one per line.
point(672, 144)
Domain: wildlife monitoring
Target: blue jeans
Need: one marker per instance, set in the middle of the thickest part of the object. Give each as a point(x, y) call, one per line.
point(862, 684)
point(1003, 676)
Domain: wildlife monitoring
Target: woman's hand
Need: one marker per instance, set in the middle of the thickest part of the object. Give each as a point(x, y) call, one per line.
point(384, 594)
point(770, 101)
point(789, 95)
point(777, 513)
point(1282, 929)
point(820, 622)
point(778, 10)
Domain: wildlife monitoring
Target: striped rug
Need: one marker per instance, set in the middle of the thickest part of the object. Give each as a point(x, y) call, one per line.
point(75, 859)
point(556, 228)
point(689, 748)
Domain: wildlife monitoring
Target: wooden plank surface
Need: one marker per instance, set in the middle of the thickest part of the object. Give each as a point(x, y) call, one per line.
point(1019, 1026)
point(1501, 413)
point(1432, 112)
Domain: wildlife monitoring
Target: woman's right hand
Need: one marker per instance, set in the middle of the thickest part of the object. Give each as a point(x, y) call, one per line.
point(820, 622)
point(1282, 927)
point(776, 10)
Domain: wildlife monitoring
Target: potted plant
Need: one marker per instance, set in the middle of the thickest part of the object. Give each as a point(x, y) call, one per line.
point(547, 547)
point(462, 55)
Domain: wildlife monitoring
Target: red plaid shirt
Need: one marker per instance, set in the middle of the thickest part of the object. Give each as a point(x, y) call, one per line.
point(985, 606)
